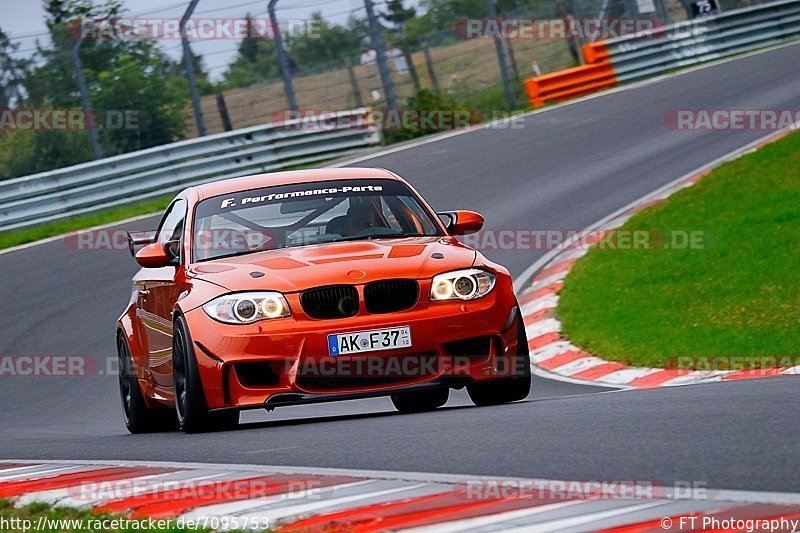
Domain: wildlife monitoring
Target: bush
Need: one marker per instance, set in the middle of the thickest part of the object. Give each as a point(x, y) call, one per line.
point(427, 100)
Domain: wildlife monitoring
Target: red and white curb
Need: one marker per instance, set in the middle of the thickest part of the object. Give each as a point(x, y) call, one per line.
point(305, 499)
point(553, 356)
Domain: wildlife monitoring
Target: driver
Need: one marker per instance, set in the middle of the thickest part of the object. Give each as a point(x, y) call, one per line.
point(361, 216)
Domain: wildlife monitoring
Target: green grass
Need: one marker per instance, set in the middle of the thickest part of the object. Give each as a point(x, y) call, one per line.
point(737, 296)
point(12, 238)
point(12, 520)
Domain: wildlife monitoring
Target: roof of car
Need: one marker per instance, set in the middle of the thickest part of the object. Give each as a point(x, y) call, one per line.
point(289, 178)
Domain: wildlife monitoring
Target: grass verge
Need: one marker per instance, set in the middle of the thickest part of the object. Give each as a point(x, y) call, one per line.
point(41, 517)
point(734, 293)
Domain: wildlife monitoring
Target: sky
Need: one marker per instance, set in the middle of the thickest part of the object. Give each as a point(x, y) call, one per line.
point(23, 20)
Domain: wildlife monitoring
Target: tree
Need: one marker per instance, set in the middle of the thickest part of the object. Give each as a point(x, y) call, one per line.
point(12, 72)
point(397, 15)
point(325, 44)
point(243, 72)
point(143, 105)
point(256, 60)
point(129, 79)
point(248, 48)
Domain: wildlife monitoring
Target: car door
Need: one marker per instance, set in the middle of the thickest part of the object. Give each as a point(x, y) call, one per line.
point(157, 294)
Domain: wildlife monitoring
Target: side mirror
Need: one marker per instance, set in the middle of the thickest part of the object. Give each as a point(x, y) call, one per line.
point(154, 256)
point(462, 222)
point(139, 239)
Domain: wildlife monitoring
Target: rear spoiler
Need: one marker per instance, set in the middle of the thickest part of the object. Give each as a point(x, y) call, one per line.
point(139, 239)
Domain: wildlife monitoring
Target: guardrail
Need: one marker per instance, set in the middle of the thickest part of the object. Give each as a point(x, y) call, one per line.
point(650, 53)
point(570, 83)
point(167, 169)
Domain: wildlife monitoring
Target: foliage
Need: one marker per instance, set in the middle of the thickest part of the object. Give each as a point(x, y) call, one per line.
point(24, 152)
point(428, 101)
point(12, 72)
point(397, 14)
point(130, 77)
point(138, 81)
point(324, 43)
point(256, 60)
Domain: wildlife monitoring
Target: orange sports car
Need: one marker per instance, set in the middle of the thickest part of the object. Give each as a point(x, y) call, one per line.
point(311, 286)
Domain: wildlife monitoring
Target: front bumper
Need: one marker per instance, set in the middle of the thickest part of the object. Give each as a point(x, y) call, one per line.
point(286, 361)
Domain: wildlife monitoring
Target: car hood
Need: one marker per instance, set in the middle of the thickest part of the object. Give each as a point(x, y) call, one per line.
point(353, 262)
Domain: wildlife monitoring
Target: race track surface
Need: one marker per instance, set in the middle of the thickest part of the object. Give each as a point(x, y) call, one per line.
point(558, 170)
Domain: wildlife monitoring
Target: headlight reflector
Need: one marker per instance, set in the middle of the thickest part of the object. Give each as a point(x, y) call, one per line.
point(247, 307)
point(468, 284)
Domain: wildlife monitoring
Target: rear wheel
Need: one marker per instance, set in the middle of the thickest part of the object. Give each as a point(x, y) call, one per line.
point(190, 402)
point(421, 401)
point(139, 418)
point(507, 390)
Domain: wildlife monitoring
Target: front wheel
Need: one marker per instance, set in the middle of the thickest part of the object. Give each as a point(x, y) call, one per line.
point(421, 401)
point(190, 402)
point(139, 418)
point(507, 390)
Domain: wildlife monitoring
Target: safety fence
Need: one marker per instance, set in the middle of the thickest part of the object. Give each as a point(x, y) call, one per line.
point(167, 169)
point(645, 54)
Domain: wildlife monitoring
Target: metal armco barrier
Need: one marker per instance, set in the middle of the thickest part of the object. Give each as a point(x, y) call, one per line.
point(167, 169)
point(642, 55)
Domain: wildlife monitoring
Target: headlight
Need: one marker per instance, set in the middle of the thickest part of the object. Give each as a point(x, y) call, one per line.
point(247, 307)
point(462, 285)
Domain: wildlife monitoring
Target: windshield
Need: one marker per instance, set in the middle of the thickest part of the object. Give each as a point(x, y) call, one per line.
point(308, 213)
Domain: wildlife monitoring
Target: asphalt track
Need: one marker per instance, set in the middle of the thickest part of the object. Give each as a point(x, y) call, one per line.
point(561, 170)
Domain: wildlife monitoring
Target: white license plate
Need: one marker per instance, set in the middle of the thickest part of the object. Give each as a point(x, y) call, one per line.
point(369, 341)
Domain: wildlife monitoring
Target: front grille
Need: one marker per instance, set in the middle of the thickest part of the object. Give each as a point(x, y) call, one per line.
point(330, 302)
point(391, 295)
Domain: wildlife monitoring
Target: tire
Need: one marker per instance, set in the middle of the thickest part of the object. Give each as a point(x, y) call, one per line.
point(507, 390)
point(190, 402)
point(419, 402)
point(138, 417)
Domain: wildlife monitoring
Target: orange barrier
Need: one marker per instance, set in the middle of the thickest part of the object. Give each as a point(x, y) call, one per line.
point(594, 53)
point(570, 83)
